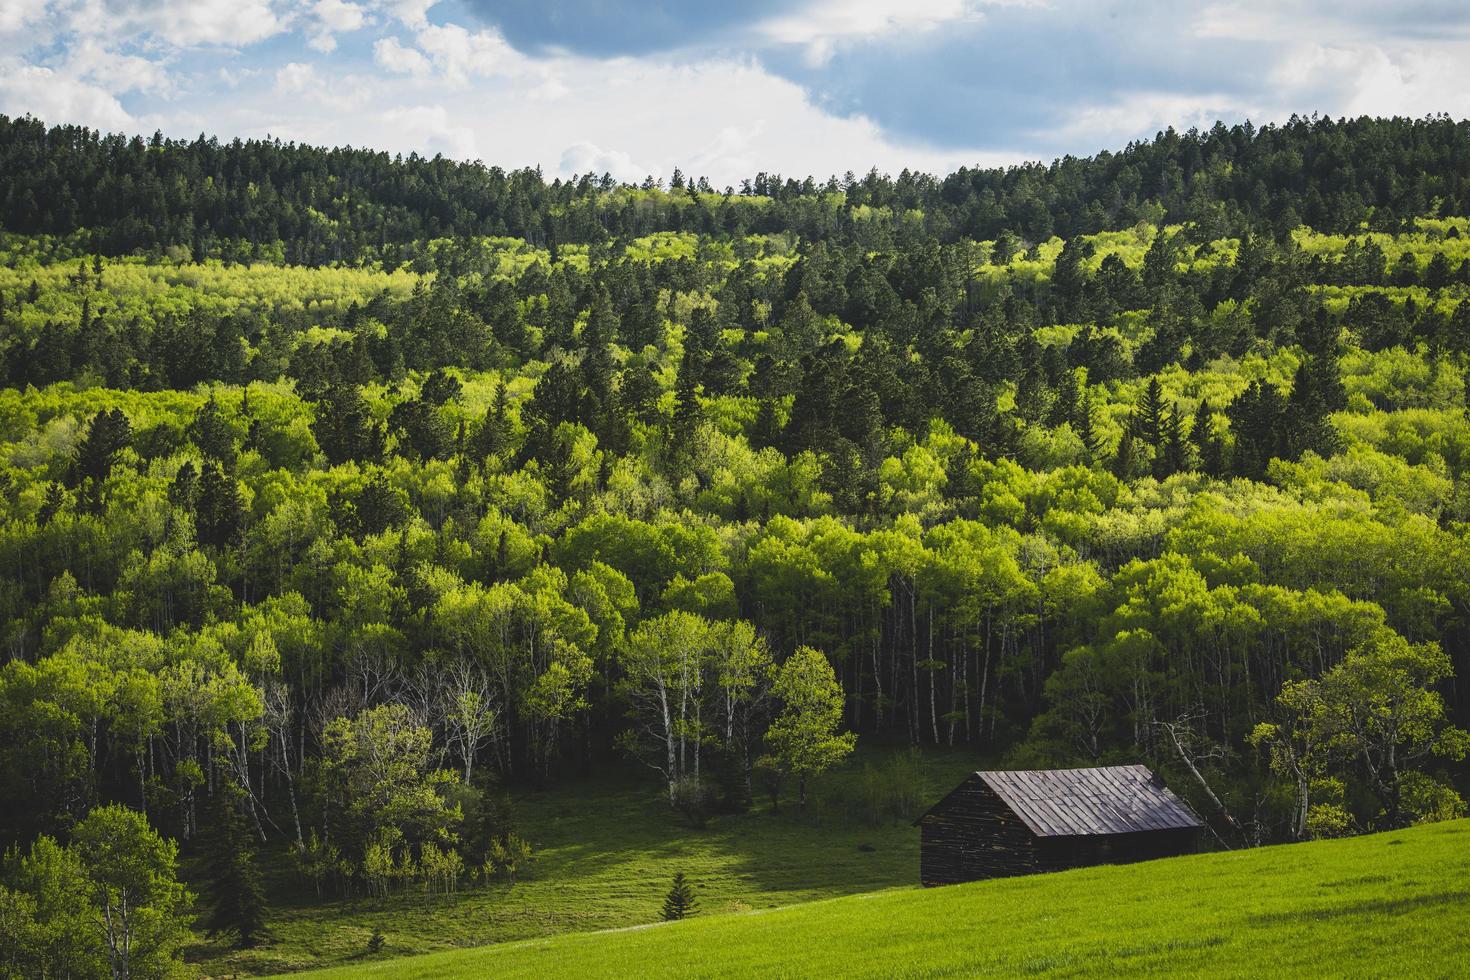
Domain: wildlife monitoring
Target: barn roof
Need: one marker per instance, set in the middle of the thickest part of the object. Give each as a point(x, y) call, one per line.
point(1105, 800)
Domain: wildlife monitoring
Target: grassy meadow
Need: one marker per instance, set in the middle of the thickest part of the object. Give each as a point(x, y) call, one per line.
point(606, 849)
point(1391, 904)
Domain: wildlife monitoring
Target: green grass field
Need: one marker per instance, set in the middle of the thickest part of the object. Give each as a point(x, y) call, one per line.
point(607, 848)
point(1395, 904)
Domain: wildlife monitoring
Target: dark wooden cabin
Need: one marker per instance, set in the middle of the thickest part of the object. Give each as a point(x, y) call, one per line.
point(996, 824)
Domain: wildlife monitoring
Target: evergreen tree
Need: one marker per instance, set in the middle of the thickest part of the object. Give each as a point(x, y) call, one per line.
point(344, 427)
point(439, 388)
point(212, 434)
point(108, 435)
point(492, 438)
point(1148, 414)
point(1065, 406)
point(1086, 429)
point(233, 893)
point(680, 902)
point(219, 509)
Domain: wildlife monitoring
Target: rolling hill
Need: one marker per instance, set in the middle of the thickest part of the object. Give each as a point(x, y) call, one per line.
point(1380, 905)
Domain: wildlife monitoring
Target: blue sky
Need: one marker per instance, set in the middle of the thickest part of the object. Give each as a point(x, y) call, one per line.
point(725, 89)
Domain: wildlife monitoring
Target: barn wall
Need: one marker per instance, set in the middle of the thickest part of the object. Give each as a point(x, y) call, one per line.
point(973, 835)
point(1056, 853)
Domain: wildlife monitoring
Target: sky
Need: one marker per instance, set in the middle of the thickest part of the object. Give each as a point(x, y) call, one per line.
point(725, 89)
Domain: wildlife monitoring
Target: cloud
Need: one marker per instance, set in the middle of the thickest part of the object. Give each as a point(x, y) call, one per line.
point(583, 157)
point(820, 27)
point(181, 22)
point(118, 73)
point(462, 55)
point(303, 82)
point(59, 97)
point(431, 130)
point(332, 17)
point(18, 14)
point(396, 58)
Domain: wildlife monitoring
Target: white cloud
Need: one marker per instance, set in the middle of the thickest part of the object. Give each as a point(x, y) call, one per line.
point(339, 93)
point(117, 73)
point(18, 14)
point(183, 23)
point(431, 130)
point(396, 58)
point(333, 17)
point(583, 157)
point(57, 97)
point(410, 13)
point(821, 27)
point(461, 55)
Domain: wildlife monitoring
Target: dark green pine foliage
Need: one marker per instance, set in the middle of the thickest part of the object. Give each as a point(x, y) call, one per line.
point(219, 508)
point(1207, 444)
point(1125, 458)
point(1066, 403)
point(380, 506)
point(1148, 415)
point(1085, 425)
point(212, 434)
point(680, 902)
point(439, 388)
point(234, 897)
point(555, 399)
point(1307, 425)
point(344, 427)
point(687, 410)
point(1257, 417)
point(108, 435)
point(492, 438)
point(422, 431)
point(1172, 455)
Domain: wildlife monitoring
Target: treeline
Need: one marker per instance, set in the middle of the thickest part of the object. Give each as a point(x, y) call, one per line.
point(255, 199)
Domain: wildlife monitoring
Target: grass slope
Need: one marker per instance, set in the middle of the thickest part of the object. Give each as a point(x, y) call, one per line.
point(1390, 904)
point(607, 848)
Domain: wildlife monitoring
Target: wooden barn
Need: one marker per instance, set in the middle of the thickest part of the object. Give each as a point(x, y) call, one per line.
point(1012, 823)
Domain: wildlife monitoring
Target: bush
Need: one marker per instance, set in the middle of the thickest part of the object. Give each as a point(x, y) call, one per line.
point(510, 857)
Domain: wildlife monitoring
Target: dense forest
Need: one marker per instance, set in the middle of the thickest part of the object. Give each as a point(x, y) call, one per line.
point(345, 493)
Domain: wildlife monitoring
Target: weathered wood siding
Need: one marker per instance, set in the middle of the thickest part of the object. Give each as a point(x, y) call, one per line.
point(973, 835)
point(1059, 853)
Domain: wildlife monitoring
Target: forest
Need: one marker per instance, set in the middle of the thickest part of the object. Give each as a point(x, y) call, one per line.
point(347, 496)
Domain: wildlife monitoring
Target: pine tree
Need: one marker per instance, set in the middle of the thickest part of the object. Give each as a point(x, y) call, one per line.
point(1171, 458)
point(1202, 435)
point(1086, 430)
point(492, 438)
point(1065, 405)
point(212, 434)
point(1124, 458)
point(680, 902)
point(687, 411)
point(219, 510)
point(1148, 414)
point(109, 433)
point(234, 895)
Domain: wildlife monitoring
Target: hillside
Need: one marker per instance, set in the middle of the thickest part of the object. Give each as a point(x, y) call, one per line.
point(320, 536)
point(1381, 905)
point(606, 848)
